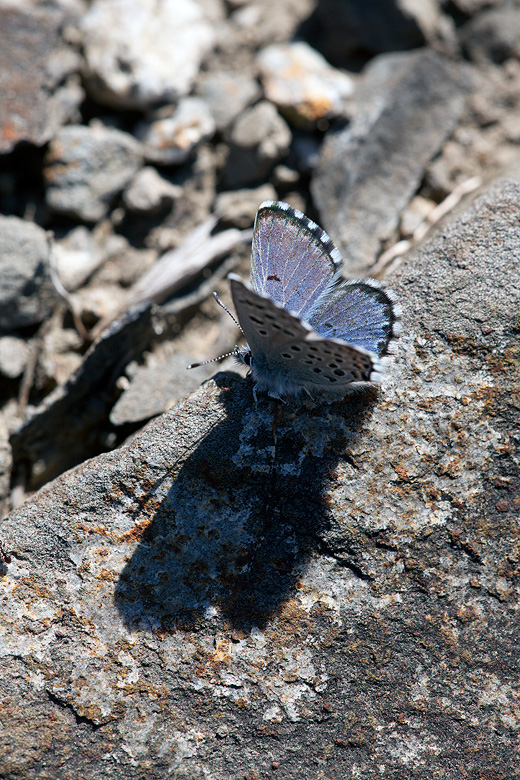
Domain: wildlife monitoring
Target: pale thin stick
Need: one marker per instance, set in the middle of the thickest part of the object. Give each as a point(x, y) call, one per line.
point(179, 266)
point(65, 294)
point(389, 258)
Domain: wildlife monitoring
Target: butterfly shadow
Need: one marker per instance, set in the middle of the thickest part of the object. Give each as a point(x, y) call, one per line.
point(244, 514)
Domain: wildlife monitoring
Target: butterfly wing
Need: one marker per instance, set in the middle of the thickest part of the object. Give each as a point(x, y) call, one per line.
point(288, 356)
point(293, 260)
point(361, 312)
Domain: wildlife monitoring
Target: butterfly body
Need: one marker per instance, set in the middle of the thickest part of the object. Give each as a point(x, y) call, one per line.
point(308, 331)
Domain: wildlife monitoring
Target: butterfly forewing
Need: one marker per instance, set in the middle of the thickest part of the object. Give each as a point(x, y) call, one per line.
point(265, 324)
point(293, 260)
point(359, 312)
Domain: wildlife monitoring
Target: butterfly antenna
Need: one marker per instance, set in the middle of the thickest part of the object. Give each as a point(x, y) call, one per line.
point(236, 350)
point(214, 360)
point(215, 295)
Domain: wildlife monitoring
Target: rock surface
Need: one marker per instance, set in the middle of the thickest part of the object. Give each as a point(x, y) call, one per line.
point(324, 590)
point(36, 93)
point(26, 291)
point(259, 139)
point(140, 53)
point(171, 138)
point(369, 171)
point(348, 27)
point(227, 94)
point(302, 84)
point(87, 167)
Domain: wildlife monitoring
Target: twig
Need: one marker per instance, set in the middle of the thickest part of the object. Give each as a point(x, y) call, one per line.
point(391, 258)
point(178, 267)
point(60, 289)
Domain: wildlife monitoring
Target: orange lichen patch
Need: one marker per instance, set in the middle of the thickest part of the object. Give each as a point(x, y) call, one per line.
point(467, 614)
point(507, 360)
point(108, 575)
point(222, 653)
point(99, 529)
point(402, 473)
point(485, 394)
point(39, 590)
point(293, 620)
point(448, 633)
point(9, 132)
point(136, 534)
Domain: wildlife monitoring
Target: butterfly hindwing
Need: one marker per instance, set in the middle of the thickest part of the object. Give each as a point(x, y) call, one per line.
point(361, 312)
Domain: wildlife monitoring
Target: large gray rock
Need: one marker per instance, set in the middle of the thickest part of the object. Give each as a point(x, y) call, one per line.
point(326, 590)
point(140, 53)
point(408, 105)
point(38, 89)
point(26, 291)
point(86, 167)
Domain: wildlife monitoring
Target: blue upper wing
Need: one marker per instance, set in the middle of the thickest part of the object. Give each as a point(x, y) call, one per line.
point(293, 260)
point(360, 312)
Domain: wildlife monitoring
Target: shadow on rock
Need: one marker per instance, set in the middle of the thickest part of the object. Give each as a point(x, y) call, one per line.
point(244, 512)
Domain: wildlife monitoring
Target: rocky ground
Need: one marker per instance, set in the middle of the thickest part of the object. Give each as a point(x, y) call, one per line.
point(256, 591)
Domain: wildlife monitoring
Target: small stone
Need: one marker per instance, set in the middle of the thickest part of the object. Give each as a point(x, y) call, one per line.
point(260, 138)
point(285, 176)
point(27, 294)
point(227, 94)
point(77, 257)
point(86, 167)
point(140, 53)
point(61, 354)
point(149, 192)
point(302, 84)
point(13, 356)
point(239, 207)
point(493, 35)
point(172, 137)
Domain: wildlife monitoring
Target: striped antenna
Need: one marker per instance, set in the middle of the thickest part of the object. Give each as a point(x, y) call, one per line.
point(235, 351)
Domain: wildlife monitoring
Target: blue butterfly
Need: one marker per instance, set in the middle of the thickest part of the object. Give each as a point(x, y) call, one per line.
point(306, 329)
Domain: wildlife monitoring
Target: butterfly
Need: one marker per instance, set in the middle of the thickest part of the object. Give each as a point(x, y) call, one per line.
point(308, 330)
